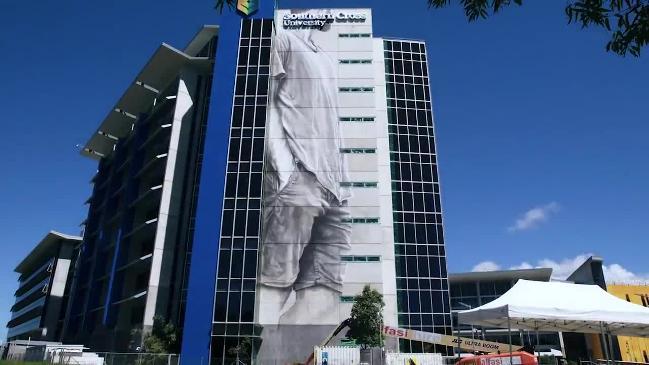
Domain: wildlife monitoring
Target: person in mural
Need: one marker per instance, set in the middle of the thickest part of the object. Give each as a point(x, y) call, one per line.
point(306, 218)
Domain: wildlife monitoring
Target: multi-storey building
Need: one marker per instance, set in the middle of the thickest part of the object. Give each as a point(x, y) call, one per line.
point(324, 133)
point(632, 349)
point(134, 260)
point(43, 289)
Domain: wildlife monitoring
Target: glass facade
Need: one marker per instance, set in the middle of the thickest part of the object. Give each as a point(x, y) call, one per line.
point(240, 231)
point(422, 283)
point(421, 299)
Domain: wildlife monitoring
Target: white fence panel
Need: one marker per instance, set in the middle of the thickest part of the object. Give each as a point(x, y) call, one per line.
point(413, 359)
point(337, 355)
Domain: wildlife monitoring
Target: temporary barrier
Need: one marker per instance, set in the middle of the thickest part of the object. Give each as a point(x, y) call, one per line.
point(413, 359)
point(337, 355)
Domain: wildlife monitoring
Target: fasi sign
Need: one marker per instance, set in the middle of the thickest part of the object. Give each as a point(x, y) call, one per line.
point(436, 338)
point(503, 360)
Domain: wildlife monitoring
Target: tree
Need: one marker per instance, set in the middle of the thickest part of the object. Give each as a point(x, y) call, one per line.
point(242, 351)
point(163, 338)
point(626, 20)
point(366, 320)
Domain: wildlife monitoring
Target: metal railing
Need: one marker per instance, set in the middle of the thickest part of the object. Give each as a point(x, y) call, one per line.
point(112, 358)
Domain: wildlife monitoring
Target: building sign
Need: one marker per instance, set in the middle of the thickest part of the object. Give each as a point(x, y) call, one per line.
point(247, 7)
point(465, 343)
point(318, 20)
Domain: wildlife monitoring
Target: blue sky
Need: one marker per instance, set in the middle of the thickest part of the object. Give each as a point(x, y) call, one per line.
point(542, 135)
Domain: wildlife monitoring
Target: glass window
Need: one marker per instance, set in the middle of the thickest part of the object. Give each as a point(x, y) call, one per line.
point(240, 85)
point(251, 84)
point(258, 150)
point(240, 223)
point(220, 307)
point(237, 243)
point(247, 307)
point(256, 28)
point(245, 28)
point(243, 55)
point(264, 56)
point(250, 269)
point(255, 185)
point(237, 264)
point(253, 223)
point(233, 306)
point(411, 266)
point(501, 287)
point(487, 288)
point(468, 289)
point(248, 117)
point(242, 186)
point(224, 263)
point(414, 304)
point(227, 220)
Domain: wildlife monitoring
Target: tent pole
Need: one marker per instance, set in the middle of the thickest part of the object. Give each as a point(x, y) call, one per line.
point(604, 345)
point(509, 334)
point(458, 339)
point(610, 346)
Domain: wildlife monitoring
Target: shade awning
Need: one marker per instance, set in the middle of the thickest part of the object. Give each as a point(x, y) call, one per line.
point(161, 70)
point(560, 307)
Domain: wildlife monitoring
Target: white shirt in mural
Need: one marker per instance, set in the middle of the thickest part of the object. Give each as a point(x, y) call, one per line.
point(303, 123)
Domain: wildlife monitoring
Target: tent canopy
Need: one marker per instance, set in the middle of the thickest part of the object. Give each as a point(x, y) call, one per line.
point(559, 306)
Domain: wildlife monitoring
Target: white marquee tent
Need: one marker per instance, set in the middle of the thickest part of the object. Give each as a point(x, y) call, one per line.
point(561, 307)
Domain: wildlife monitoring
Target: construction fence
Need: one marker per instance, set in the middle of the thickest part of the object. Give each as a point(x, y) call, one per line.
point(112, 358)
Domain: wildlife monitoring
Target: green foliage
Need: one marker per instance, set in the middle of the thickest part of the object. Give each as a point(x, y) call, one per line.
point(220, 4)
point(163, 338)
point(366, 320)
point(626, 20)
point(242, 351)
point(475, 9)
point(630, 19)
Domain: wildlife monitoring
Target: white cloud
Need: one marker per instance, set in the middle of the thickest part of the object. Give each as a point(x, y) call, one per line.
point(561, 269)
point(618, 274)
point(533, 217)
point(522, 266)
point(486, 266)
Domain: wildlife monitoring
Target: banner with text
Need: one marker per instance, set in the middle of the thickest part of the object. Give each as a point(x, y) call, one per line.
point(465, 343)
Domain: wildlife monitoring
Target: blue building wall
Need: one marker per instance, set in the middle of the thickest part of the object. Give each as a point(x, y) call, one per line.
point(200, 297)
